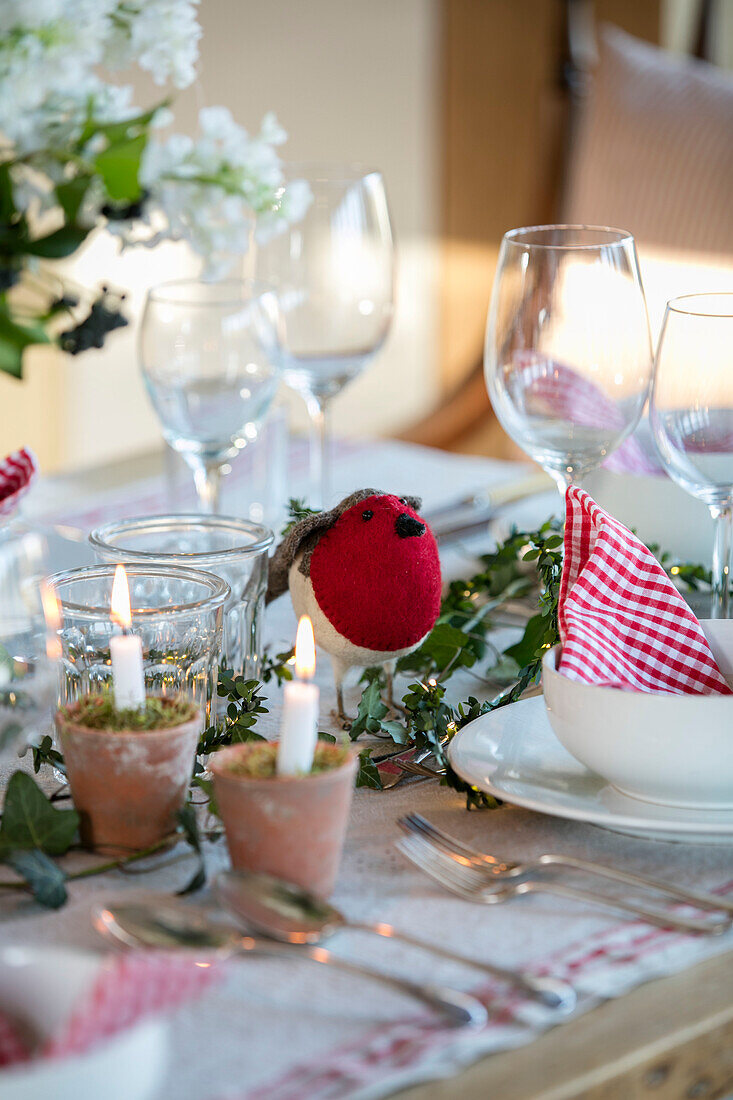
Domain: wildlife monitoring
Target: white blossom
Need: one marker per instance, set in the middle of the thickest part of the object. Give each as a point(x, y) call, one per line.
point(161, 36)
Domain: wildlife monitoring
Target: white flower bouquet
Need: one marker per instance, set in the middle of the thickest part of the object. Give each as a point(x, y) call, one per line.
point(75, 152)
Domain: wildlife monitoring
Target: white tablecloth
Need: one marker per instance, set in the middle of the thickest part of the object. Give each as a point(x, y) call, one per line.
point(285, 1030)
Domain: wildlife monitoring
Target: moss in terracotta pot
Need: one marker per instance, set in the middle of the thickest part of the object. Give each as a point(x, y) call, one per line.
point(290, 826)
point(128, 771)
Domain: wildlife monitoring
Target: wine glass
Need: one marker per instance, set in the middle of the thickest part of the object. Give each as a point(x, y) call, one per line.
point(568, 359)
point(334, 273)
point(692, 415)
point(209, 360)
point(29, 647)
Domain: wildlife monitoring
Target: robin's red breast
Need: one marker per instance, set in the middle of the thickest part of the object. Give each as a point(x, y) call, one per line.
point(376, 574)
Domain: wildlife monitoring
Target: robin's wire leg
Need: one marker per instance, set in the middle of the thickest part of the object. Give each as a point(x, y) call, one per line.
point(343, 716)
point(389, 670)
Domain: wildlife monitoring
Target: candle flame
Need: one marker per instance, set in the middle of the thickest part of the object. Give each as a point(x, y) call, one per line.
point(52, 615)
point(305, 650)
point(120, 602)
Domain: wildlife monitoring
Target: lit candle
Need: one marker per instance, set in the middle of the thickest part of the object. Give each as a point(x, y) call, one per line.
point(299, 729)
point(126, 650)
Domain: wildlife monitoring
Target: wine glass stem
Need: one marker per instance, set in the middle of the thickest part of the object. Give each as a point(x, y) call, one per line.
point(723, 519)
point(207, 479)
point(320, 465)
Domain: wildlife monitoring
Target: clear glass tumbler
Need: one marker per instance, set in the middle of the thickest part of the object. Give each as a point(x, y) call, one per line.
point(230, 548)
point(178, 613)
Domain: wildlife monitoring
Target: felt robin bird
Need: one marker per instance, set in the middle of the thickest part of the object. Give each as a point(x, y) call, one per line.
point(368, 575)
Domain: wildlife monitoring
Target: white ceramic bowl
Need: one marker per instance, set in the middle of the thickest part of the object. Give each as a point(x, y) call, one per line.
point(40, 986)
point(671, 749)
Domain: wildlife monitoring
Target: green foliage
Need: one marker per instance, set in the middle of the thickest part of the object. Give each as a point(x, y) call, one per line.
point(297, 510)
point(32, 830)
point(277, 666)
point(30, 820)
point(243, 711)
point(188, 826)
point(113, 168)
point(45, 879)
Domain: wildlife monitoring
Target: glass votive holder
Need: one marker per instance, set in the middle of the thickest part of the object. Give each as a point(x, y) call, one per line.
point(178, 613)
point(233, 549)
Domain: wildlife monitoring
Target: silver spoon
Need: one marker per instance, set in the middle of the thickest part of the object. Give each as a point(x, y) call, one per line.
point(292, 915)
point(162, 923)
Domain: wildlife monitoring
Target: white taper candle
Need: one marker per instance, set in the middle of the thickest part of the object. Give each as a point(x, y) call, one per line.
point(299, 726)
point(125, 650)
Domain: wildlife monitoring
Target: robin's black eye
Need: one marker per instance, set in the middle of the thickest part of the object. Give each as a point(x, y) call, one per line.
point(367, 514)
point(402, 500)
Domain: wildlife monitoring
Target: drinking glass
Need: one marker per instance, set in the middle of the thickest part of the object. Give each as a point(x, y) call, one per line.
point(232, 549)
point(692, 415)
point(209, 360)
point(334, 273)
point(178, 614)
point(568, 359)
point(29, 650)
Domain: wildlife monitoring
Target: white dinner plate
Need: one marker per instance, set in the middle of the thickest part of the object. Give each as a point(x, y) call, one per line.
point(513, 754)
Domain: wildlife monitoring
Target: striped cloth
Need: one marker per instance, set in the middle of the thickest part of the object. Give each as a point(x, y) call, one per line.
point(622, 622)
point(17, 472)
point(654, 149)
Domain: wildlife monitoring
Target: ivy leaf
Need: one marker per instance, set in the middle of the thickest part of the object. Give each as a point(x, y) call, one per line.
point(370, 712)
point(14, 339)
point(30, 820)
point(46, 880)
point(119, 167)
point(368, 774)
point(190, 829)
point(56, 245)
point(447, 645)
point(528, 648)
point(70, 195)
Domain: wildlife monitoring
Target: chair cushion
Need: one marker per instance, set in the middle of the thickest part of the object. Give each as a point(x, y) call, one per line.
point(654, 148)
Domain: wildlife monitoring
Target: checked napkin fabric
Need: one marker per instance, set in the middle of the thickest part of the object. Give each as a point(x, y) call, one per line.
point(17, 472)
point(128, 988)
point(622, 622)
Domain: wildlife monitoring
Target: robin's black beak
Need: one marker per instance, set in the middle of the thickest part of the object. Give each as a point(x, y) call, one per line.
point(407, 527)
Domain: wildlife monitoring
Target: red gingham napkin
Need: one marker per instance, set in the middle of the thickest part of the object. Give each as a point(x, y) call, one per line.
point(622, 622)
point(16, 475)
point(127, 988)
point(13, 1047)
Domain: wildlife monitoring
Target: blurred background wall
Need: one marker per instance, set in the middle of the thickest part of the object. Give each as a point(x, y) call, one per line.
point(465, 106)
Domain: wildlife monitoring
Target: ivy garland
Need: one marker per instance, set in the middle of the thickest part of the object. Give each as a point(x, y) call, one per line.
point(35, 832)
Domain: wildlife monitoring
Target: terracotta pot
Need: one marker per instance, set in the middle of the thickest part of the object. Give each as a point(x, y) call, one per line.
point(128, 784)
point(289, 826)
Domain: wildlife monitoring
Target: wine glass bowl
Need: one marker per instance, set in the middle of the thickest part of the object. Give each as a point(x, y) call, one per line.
point(334, 275)
point(691, 412)
point(209, 361)
point(568, 359)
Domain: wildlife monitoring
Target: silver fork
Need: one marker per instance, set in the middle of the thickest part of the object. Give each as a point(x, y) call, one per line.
point(498, 869)
point(473, 884)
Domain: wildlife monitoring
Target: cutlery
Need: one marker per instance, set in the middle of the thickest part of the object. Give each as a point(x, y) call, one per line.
point(494, 497)
point(292, 915)
point(162, 923)
point(496, 868)
point(477, 885)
